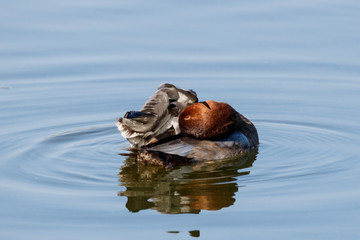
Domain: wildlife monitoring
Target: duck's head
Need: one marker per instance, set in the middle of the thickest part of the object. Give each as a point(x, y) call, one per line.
point(208, 120)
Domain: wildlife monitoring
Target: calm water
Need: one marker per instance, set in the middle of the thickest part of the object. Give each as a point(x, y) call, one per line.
point(69, 68)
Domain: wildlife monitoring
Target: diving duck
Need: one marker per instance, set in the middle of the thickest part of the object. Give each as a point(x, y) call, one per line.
point(207, 130)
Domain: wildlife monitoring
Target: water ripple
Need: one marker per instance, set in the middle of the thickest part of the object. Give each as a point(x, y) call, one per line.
point(312, 150)
point(80, 158)
point(86, 158)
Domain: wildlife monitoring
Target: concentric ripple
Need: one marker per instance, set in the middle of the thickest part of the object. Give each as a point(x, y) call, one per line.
point(295, 149)
point(87, 158)
point(73, 159)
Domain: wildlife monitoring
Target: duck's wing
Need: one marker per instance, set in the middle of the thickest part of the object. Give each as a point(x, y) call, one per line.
point(155, 108)
point(157, 105)
point(158, 115)
point(179, 150)
point(179, 98)
point(169, 152)
point(138, 127)
point(181, 146)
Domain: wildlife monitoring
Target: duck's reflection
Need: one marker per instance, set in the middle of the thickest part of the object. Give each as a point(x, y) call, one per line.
point(188, 189)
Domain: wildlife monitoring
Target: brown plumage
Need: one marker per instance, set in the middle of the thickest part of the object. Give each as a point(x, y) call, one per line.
point(208, 120)
point(215, 120)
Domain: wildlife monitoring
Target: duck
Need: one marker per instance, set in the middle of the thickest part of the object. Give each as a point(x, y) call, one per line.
point(158, 118)
point(207, 130)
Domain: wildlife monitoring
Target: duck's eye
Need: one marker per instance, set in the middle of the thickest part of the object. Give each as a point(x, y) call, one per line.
point(187, 117)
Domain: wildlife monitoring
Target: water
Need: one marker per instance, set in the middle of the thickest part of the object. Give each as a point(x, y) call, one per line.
point(68, 69)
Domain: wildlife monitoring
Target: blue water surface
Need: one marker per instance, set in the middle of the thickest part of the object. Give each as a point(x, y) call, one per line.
point(69, 68)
